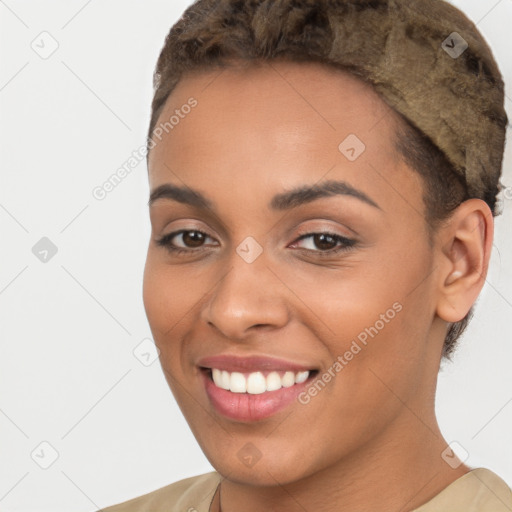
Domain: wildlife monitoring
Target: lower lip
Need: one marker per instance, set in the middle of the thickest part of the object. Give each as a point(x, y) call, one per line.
point(247, 407)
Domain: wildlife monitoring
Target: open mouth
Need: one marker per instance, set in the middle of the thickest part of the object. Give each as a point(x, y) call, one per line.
point(258, 382)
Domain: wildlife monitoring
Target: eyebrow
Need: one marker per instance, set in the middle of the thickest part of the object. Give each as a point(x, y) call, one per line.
point(284, 201)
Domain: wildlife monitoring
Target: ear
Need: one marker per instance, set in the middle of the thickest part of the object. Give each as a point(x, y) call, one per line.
point(466, 242)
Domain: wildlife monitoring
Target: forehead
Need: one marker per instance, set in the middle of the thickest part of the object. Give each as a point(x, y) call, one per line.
point(266, 126)
point(294, 102)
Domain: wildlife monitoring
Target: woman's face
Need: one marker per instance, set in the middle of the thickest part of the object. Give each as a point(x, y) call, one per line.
point(263, 284)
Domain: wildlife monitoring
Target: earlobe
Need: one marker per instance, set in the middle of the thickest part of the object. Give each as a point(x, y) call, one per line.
point(467, 241)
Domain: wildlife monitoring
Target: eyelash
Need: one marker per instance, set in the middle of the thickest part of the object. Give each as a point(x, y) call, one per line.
point(347, 243)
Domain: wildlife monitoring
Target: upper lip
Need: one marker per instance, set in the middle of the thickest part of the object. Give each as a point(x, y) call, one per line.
point(232, 363)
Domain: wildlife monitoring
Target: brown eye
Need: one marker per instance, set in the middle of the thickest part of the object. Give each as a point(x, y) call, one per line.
point(184, 240)
point(324, 243)
point(193, 238)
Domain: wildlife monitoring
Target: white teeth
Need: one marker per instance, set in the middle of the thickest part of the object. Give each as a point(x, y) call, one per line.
point(256, 383)
point(273, 381)
point(216, 376)
point(220, 378)
point(288, 379)
point(237, 383)
point(301, 377)
point(224, 381)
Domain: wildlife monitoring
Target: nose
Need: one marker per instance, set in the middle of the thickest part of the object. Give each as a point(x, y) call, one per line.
point(248, 298)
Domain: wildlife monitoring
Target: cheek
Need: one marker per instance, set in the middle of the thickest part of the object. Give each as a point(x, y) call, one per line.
point(356, 301)
point(373, 324)
point(167, 302)
point(169, 296)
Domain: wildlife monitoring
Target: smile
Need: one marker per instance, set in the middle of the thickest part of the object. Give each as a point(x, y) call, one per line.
point(258, 382)
point(249, 389)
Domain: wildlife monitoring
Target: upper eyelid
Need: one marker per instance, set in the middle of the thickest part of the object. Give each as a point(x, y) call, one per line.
point(311, 230)
point(222, 229)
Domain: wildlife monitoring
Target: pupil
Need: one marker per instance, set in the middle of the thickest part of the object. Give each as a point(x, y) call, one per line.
point(193, 238)
point(320, 241)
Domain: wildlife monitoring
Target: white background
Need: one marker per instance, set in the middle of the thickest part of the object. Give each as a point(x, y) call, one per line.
point(68, 375)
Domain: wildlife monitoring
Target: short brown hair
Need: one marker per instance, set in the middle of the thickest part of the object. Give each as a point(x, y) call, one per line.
point(213, 33)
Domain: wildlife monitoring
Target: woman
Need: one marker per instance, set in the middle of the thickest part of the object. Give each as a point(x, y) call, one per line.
point(323, 181)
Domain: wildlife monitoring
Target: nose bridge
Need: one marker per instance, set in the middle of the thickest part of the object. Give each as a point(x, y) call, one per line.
point(247, 295)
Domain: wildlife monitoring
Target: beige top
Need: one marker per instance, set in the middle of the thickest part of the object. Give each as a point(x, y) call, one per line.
point(480, 490)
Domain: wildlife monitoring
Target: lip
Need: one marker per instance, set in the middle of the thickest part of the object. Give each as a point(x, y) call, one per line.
point(247, 364)
point(246, 407)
